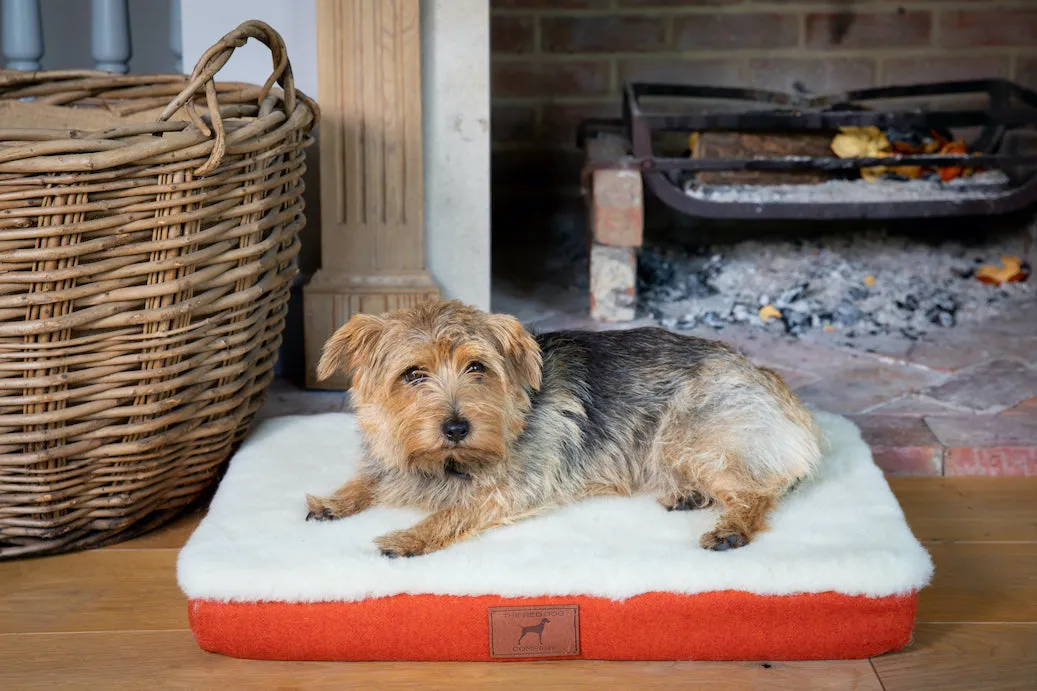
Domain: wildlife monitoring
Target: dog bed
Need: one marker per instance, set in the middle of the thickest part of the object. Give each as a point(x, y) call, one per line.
point(837, 576)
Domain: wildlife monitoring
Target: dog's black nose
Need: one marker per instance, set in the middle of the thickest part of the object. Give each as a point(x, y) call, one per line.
point(455, 429)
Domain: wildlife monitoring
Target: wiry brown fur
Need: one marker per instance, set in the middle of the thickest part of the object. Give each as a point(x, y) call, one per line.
point(556, 418)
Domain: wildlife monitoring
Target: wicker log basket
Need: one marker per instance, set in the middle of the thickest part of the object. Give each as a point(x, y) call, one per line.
point(148, 226)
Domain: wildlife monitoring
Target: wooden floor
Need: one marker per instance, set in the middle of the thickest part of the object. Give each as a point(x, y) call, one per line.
point(114, 618)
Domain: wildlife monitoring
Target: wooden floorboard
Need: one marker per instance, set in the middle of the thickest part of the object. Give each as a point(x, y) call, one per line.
point(114, 618)
point(964, 656)
point(981, 582)
point(957, 509)
point(1002, 641)
point(92, 591)
point(155, 659)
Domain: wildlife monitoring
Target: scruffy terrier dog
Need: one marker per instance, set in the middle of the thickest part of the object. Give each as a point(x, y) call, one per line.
point(471, 418)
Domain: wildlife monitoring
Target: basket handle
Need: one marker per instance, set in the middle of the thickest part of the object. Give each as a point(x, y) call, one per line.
point(204, 74)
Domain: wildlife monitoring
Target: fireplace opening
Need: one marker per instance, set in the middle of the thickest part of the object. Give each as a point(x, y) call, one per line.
point(844, 186)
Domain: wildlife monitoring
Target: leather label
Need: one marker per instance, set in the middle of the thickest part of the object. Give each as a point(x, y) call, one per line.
point(549, 631)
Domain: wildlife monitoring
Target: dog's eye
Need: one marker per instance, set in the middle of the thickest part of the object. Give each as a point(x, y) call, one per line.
point(413, 375)
point(475, 367)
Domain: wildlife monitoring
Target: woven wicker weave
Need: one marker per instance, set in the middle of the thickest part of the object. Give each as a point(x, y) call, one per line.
point(144, 276)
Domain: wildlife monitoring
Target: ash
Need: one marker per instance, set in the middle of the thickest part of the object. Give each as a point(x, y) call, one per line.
point(982, 185)
point(865, 284)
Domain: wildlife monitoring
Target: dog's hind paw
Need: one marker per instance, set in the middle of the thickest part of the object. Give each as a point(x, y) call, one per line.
point(721, 541)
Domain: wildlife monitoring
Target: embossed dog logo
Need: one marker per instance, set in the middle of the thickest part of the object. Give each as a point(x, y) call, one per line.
point(538, 629)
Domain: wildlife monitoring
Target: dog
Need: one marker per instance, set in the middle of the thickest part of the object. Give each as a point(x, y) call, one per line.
point(471, 418)
point(538, 629)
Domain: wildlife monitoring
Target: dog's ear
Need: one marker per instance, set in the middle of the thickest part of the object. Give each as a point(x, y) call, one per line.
point(349, 346)
point(518, 347)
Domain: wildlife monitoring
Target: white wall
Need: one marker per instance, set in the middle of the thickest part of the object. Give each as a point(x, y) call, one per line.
point(455, 65)
point(456, 101)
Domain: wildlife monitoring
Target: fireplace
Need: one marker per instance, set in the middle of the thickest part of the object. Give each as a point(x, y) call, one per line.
point(658, 74)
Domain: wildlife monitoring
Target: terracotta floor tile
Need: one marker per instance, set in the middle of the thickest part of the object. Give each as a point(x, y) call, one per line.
point(987, 388)
point(865, 385)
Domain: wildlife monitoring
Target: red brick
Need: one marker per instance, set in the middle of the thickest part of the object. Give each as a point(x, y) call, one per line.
point(984, 430)
point(512, 123)
point(561, 120)
point(998, 461)
point(532, 79)
point(909, 460)
point(1026, 72)
point(987, 388)
point(680, 71)
point(620, 34)
point(818, 75)
point(511, 34)
point(919, 70)
point(967, 28)
point(549, 4)
point(736, 31)
point(617, 211)
point(840, 30)
point(613, 283)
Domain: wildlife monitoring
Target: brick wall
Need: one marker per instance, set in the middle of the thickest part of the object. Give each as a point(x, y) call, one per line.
point(556, 62)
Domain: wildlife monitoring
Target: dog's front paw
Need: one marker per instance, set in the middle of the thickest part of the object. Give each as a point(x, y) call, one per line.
point(402, 543)
point(323, 508)
point(723, 540)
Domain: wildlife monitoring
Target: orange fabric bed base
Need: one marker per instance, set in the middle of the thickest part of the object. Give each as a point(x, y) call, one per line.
point(727, 625)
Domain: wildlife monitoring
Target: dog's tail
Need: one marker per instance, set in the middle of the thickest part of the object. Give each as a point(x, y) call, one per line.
point(785, 440)
point(751, 411)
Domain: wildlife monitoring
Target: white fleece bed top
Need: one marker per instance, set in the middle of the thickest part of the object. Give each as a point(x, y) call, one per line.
point(843, 532)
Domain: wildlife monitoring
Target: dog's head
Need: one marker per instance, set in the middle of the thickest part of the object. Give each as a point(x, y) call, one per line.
point(438, 384)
